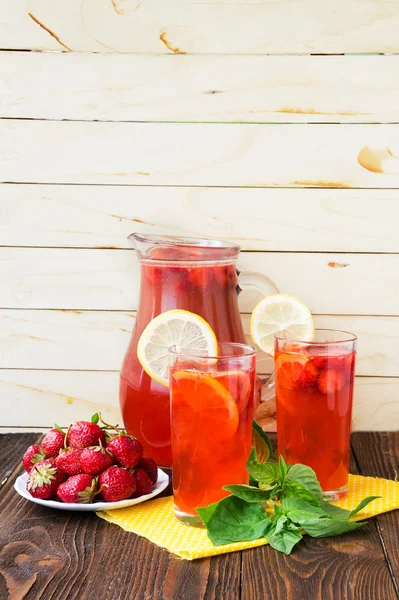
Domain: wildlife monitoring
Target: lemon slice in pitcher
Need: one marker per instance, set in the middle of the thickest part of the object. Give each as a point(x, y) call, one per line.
point(280, 313)
point(173, 328)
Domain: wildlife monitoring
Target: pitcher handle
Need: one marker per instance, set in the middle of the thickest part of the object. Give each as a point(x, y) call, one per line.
point(264, 285)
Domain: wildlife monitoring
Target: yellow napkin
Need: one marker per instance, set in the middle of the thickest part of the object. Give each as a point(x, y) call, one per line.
point(155, 520)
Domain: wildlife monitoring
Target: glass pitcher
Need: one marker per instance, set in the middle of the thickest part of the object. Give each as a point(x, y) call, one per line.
point(194, 274)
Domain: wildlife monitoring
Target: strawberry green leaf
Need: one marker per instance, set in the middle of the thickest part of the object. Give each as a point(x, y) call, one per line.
point(95, 418)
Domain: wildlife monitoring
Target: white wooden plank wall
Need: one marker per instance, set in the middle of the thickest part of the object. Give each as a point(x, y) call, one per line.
point(274, 124)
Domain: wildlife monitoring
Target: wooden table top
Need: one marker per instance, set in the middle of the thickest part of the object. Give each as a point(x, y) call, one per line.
point(50, 554)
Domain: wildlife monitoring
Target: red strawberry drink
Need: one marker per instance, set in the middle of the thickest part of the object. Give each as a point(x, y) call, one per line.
point(314, 392)
point(186, 278)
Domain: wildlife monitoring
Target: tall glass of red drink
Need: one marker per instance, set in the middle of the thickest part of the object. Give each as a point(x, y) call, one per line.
point(212, 407)
point(314, 394)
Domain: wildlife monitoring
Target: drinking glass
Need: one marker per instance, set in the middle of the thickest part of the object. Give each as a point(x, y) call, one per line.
point(314, 394)
point(212, 407)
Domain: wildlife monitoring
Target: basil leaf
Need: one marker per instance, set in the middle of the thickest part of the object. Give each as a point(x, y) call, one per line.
point(297, 490)
point(301, 512)
point(264, 473)
point(330, 527)
point(250, 493)
point(362, 504)
point(280, 523)
point(234, 520)
point(261, 443)
point(307, 477)
point(283, 467)
point(335, 512)
point(292, 527)
point(284, 540)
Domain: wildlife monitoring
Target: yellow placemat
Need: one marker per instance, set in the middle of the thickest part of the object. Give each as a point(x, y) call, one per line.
point(155, 520)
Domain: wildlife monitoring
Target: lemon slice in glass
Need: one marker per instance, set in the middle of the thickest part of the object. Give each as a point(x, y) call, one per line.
point(280, 313)
point(173, 328)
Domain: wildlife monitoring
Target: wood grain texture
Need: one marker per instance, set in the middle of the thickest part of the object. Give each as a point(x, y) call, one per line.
point(201, 26)
point(38, 398)
point(12, 449)
point(378, 456)
point(42, 398)
point(269, 89)
point(258, 219)
point(109, 280)
point(222, 155)
point(56, 555)
point(97, 340)
point(351, 567)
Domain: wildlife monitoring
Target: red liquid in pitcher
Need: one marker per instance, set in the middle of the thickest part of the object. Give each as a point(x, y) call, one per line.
point(208, 290)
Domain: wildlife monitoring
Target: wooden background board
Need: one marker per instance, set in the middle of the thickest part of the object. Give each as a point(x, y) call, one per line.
point(96, 340)
point(140, 87)
point(73, 278)
point(201, 26)
point(274, 219)
point(192, 117)
point(294, 155)
point(38, 398)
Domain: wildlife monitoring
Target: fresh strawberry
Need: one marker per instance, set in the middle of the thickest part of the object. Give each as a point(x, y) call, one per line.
point(143, 483)
point(117, 484)
point(44, 479)
point(331, 381)
point(84, 434)
point(95, 459)
point(33, 455)
point(78, 489)
point(68, 461)
point(308, 376)
point(149, 466)
point(126, 450)
point(53, 441)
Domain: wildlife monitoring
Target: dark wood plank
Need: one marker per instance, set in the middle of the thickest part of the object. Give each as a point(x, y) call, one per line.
point(351, 567)
point(12, 449)
point(56, 555)
point(377, 454)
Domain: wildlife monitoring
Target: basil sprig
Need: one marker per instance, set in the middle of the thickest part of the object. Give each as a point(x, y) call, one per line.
point(281, 503)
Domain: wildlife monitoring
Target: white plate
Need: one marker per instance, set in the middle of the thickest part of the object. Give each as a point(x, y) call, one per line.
point(161, 484)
